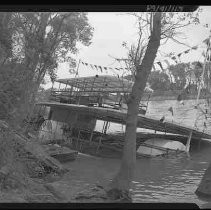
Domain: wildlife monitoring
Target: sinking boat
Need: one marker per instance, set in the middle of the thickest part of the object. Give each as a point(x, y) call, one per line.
point(73, 112)
point(160, 147)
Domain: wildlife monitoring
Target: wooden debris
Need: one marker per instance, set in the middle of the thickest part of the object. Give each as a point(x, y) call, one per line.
point(35, 149)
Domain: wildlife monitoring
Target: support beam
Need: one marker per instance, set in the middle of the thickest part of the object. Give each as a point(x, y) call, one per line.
point(188, 142)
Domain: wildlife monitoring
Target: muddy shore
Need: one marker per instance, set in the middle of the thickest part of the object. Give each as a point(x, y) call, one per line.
point(83, 183)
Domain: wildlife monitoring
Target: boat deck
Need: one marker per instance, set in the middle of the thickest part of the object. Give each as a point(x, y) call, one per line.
point(119, 116)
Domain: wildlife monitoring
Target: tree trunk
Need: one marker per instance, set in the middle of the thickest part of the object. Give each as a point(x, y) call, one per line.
point(121, 184)
point(204, 188)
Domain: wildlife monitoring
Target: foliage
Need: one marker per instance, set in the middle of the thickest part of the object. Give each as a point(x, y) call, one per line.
point(179, 72)
point(36, 42)
point(159, 81)
point(11, 85)
point(178, 77)
point(48, 38)
point(5, 37)
point(43, 95)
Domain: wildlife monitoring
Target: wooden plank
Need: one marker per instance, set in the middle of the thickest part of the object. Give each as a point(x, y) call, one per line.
point(34, 148)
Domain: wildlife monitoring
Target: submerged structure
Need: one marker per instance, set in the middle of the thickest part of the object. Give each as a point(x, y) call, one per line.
point(75, 108)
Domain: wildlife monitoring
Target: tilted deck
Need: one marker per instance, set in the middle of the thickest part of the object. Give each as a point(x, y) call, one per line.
point(118, 116)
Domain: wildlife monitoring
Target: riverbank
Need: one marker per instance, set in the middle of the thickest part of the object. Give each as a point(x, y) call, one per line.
point(172, 95)
point(88, 175)
point(79, 184)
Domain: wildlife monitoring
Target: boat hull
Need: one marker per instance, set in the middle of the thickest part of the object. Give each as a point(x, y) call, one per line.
point(160, 147)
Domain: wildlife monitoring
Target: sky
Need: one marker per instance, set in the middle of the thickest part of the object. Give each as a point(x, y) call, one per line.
point(112, 29)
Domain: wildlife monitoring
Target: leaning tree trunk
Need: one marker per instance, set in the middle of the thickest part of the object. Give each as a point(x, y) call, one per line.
point(120, 185)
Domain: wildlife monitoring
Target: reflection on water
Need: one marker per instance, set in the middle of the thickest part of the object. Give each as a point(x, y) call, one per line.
point(171, 179)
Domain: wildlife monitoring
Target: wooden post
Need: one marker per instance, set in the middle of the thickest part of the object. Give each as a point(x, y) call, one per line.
point(76, 74)
point(106, 127)
point(78, 139)
point(148, 102)
point(90, 139)
point(99, 143)
point(103, 132)
point(188, 141)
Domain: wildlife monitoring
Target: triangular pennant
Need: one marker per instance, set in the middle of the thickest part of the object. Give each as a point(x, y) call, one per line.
point(159, 63)
point(100, 68)
point(206, 41)
point(105, 68)
point(178, 56)
point(175, 59)
point(96, 67)
point(195, 47)
point(117, 69)
point(171, 110)
point(187, 51)
point(86, 64)
point(82, 62)
point(91, 66)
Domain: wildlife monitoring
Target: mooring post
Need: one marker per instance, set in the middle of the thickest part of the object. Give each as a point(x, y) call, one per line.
point(188, 141)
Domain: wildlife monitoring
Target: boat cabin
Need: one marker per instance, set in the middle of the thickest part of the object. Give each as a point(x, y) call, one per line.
point(99, 90)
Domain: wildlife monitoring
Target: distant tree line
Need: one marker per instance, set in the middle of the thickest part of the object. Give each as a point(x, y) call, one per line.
point(177, 77)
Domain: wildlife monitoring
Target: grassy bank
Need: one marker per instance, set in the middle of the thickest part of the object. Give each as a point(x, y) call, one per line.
point(172, 95)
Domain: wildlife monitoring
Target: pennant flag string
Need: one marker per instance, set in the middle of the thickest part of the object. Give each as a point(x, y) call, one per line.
point(102, 67)
point(175, 58)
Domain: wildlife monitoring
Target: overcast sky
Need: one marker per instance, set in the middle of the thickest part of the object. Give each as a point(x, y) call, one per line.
point(112, 29)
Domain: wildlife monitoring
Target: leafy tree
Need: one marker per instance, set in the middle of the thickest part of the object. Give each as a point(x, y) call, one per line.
point(159, 81)
point(40, 40)
point(11, 94)
point(179, 73)
point(5, 37)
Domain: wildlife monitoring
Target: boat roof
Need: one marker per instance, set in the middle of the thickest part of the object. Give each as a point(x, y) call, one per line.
point(101, 83)
point(118, 116)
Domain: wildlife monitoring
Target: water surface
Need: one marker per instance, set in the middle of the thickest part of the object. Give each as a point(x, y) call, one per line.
point(171, 179)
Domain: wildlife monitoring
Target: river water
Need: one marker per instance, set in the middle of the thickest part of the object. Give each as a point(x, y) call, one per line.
point(169, 179)
point(160, 179)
